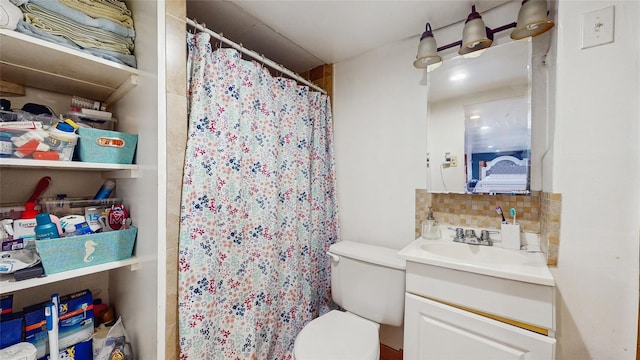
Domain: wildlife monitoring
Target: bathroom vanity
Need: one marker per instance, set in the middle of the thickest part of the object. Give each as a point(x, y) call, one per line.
point(477, 302)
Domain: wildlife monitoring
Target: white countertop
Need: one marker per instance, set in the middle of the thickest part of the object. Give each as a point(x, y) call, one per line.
point(493, 261)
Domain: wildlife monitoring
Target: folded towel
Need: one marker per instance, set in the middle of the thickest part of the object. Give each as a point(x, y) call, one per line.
point(80, 17)
point(114, 10)
point(9, 15)
point(82, 35)
point(31, 30)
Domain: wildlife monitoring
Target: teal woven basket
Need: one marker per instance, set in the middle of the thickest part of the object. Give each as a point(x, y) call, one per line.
point(76, 252)
point(105, 146)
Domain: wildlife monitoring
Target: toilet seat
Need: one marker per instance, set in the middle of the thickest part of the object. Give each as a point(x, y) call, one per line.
point(338, 335)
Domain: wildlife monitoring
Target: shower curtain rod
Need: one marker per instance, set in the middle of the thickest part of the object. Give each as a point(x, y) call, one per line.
point(261, 58)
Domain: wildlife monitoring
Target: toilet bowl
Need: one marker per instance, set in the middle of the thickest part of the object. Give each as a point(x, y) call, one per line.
point(338, 335)
point(368, 281)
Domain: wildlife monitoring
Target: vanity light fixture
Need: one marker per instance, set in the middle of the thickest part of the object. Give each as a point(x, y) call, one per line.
point(532, 19)
point(477, 37)
point(427, 57)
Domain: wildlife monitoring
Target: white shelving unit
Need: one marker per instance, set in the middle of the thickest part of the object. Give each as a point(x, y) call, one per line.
point(137, 99)
point(48, 66)
point(9, 285)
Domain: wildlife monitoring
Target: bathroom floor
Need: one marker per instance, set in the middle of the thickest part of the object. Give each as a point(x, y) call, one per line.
point(387, 353)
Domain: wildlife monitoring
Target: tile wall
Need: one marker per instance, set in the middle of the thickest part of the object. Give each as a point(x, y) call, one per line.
point(176, 68)
point(538, 213)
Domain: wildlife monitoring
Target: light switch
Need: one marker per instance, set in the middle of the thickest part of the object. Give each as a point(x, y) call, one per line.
point(597, 27)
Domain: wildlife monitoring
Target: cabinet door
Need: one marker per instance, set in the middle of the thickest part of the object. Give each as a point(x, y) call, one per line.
point(441, 332)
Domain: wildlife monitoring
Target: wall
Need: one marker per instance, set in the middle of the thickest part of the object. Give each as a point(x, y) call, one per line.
point(593, 166)
point(380, 131)
point(596, 170)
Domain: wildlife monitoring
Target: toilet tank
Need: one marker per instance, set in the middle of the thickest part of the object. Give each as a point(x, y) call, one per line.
point(369, 281)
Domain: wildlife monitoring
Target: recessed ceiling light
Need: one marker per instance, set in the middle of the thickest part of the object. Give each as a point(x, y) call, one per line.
point(458, 77)
point(474, 117)
point(484, 127)
point(490, 147)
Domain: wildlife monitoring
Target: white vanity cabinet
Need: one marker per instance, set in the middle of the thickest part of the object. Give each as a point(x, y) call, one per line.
point(437, 331)
point(453, 314)
point(137, 98)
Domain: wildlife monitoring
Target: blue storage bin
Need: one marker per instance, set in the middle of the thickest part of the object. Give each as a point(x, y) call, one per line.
point(105, 146)
point(68, 253)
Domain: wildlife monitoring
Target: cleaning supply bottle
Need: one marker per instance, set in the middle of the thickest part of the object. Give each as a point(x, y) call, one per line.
point(105, 190)
point(429, 227)
point(45, 229)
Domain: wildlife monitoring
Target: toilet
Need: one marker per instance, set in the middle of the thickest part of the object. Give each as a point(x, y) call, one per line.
point(368, 281)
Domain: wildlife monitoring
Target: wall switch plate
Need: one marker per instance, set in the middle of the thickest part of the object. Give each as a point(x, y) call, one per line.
point(598, 27)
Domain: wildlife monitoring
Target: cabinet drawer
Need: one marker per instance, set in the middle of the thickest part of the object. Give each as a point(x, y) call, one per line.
point(520, 301)
point(438, 331)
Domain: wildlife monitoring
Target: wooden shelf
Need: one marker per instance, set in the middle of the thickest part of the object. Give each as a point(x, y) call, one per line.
point(8, 284)
point(64, 70)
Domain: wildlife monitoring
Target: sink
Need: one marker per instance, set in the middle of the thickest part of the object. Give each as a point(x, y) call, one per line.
point(475, 253)
point(494, 261)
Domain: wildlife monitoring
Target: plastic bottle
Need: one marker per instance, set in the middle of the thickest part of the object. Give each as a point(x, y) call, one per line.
point(24, 227)
point(430, 228)
point(45, 229)
point(105, 190)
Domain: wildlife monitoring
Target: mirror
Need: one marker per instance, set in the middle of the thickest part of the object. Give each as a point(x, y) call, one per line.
point(479, 122)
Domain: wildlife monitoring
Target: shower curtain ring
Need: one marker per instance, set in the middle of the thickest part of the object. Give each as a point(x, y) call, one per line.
point(221, 37)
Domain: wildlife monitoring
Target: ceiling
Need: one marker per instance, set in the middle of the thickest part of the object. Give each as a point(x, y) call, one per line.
point(303, 34)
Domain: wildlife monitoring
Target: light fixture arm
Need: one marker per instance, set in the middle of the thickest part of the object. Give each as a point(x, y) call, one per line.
point(490, 33)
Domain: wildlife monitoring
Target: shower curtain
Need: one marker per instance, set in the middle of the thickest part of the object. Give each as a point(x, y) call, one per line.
point(258, 209)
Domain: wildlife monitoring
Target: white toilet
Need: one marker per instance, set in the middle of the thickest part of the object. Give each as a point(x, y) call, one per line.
point(369, 282)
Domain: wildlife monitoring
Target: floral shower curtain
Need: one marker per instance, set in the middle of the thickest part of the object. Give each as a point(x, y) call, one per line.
point(258, 209)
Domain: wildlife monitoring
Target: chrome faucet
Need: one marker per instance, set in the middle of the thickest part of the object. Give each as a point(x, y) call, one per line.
point(469, 237)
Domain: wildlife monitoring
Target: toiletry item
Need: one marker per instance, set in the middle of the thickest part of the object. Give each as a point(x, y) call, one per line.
point(510, 234)
point(7, 226)
point(118, 216)
point(46, 155)
point(24, 227)
point(51, 314)
point(20, 351)
point(30, 147)
point(105, 190)
point(45, 229)
point(11, 261)
point(499, 211)
point(6, 145)
point(56, 220)
point(63, 139)
point(430, 228)
point(12, 244)
point(512, 212)
point(92, 215)
point(70, 222)
point(41, 187)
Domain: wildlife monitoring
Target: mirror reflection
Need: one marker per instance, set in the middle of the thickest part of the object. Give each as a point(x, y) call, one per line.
point(479, 122)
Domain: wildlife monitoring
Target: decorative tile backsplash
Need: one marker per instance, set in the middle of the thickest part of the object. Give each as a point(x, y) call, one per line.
point(537, 213)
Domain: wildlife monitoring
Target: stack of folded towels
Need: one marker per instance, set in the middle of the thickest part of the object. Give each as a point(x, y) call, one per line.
point(103, 28)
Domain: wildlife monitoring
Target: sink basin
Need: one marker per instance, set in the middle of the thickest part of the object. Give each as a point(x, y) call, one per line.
point(486, 260)
point(475, 253)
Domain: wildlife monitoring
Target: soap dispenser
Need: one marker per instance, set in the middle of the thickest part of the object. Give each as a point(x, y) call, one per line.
point(430, 228)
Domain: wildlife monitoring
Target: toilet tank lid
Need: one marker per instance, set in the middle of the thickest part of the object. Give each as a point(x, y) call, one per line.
point(370, 253)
